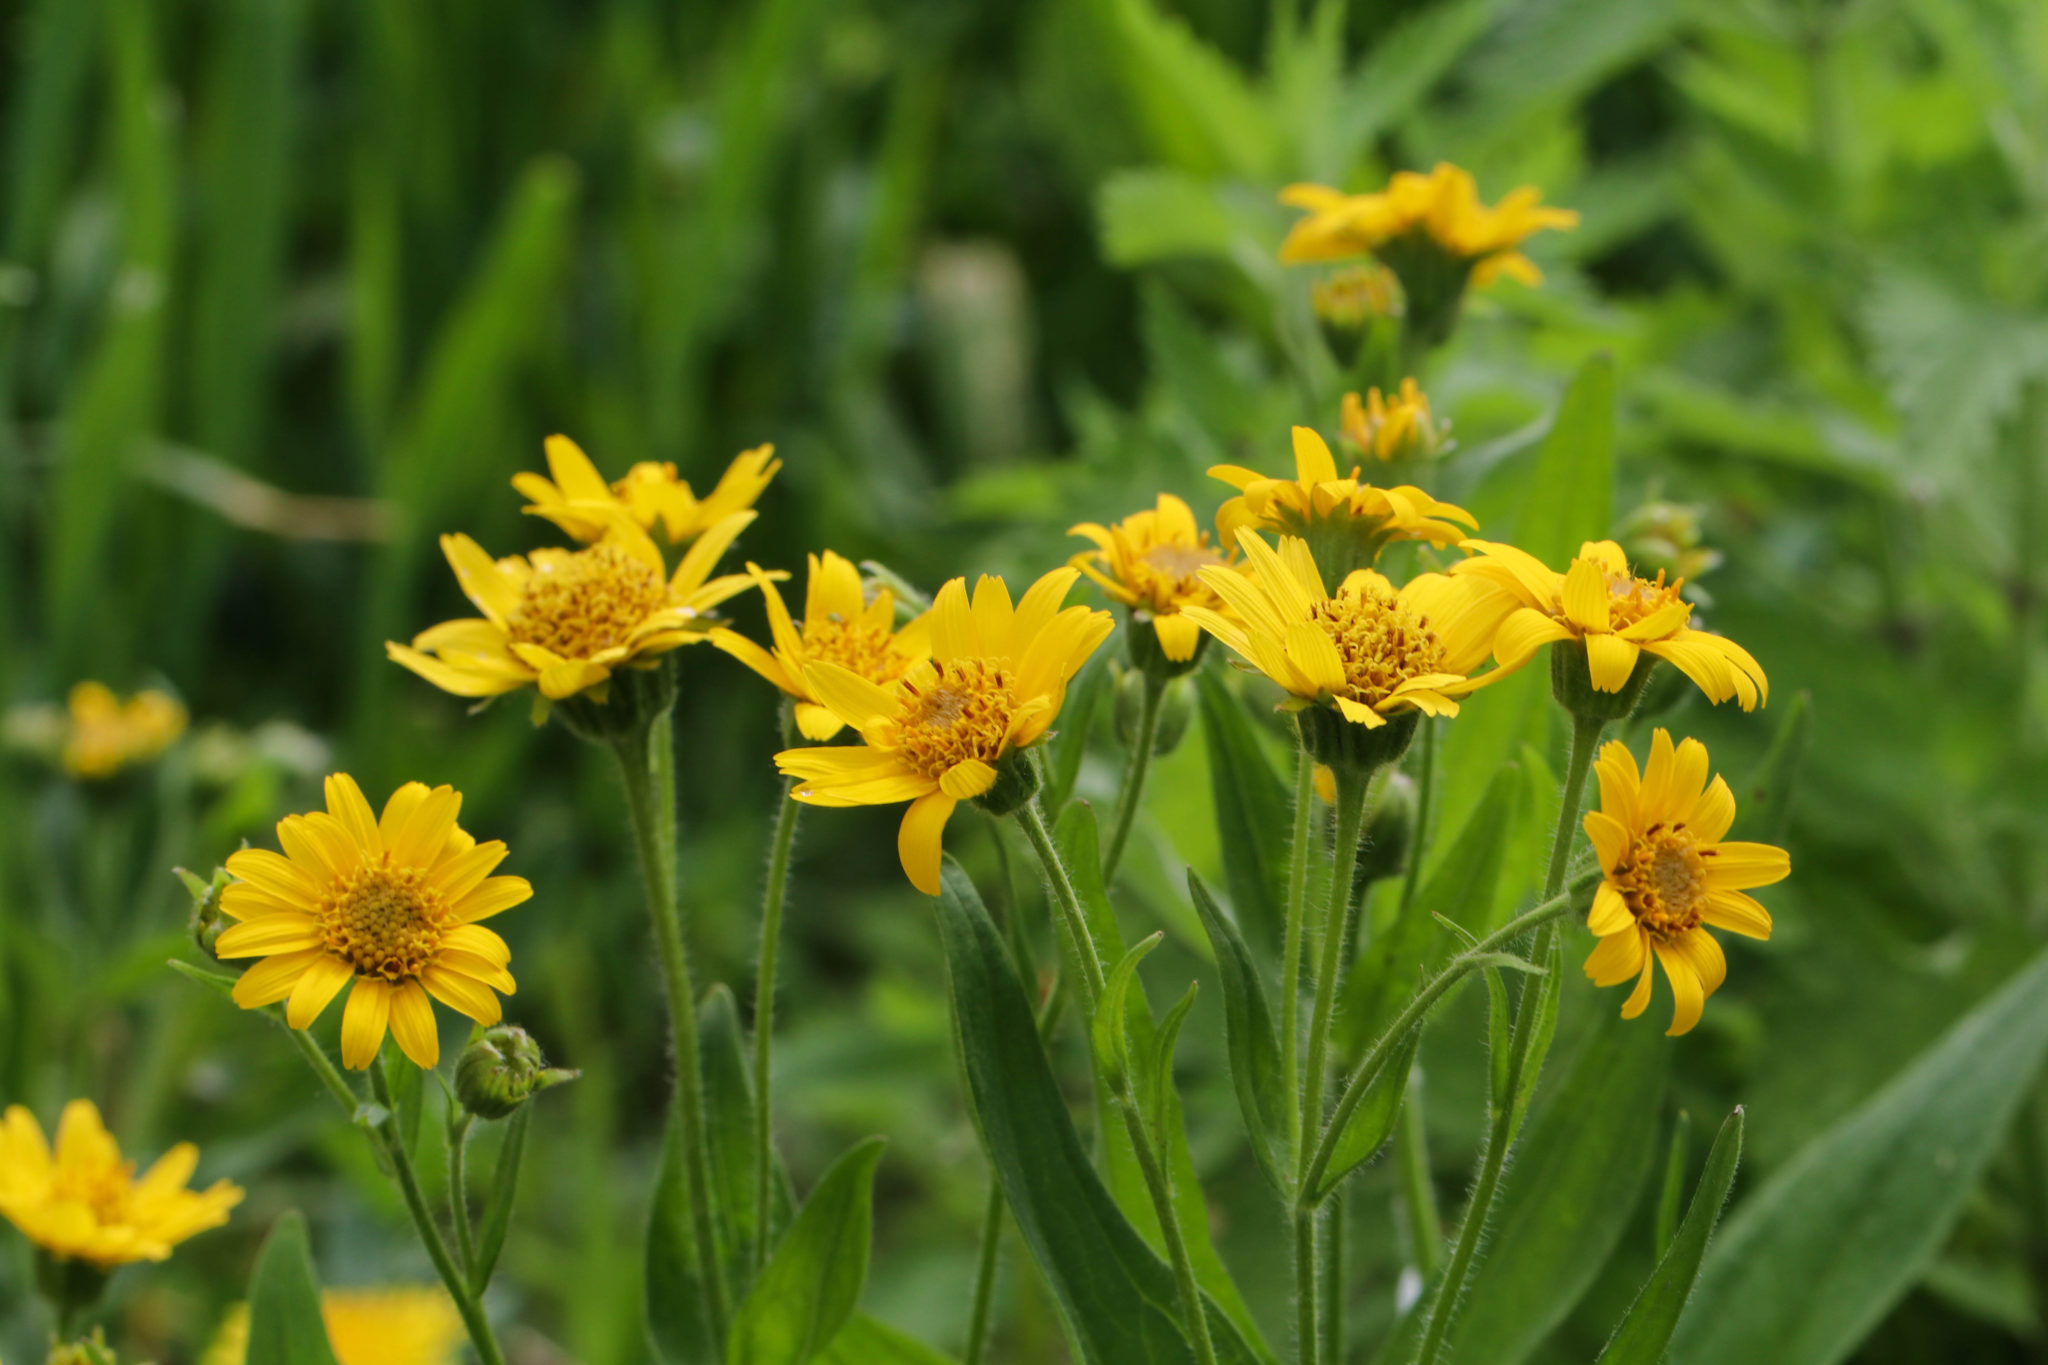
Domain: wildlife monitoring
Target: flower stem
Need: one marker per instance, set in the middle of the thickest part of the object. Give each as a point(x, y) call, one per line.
point(466, 1303)
point(1493, 1159)
point(1418, 1192)
point(1307, 1330)
point(1073, 923)
point(1132, 793)
point(1159, 1184)
point(646, 758)
point(1290, 953)
point(458, 1194)
point(1418, 840)
point(764, 1016)
point(985, 1273)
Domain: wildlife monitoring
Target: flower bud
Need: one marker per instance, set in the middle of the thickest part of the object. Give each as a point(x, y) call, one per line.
point(92, 1350)
point(502, 1070)
point(1389, 830)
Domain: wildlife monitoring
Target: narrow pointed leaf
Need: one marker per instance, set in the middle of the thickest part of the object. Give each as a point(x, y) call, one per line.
point(810, 1287)
point(1249, 1035)
point(285, 1326)
point(1372, 1122)
point(1107, 1031)
point(1254, 821)
point(1645, 1332)
point(497, 1219)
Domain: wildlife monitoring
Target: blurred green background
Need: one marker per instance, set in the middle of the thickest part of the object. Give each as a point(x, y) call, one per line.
point(289, 287)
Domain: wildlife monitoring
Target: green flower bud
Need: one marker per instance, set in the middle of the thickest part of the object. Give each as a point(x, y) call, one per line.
point(502, 1070)
point(92, 1350)
point(1389, 830)
point(1176, 709)
point(1016, 782)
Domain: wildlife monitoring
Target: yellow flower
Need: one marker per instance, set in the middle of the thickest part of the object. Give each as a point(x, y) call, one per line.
point(993, 685)
point(1350, 298)
point(580, 502)
point(83, 1202)
point(1441, 209)
point(392, 905)
point(1152, 562)
point(105, 734)
point(365, 1327)
point(1347, 522)
point(1669, 874)
point(840, 627)
point(1368, 650)
point(563, 620)
point(1619, 617)
point(1396, 428)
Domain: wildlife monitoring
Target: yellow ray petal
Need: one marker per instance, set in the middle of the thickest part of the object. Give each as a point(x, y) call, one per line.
point(363, 1022)
point(412, 1024)
point(920, 840)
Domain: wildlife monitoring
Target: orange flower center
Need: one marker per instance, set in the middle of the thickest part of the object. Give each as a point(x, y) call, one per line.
point(1181, 562)
point(856, 647)
point(1664, 880)
point(106, 1190)
point(1630, 599)
point(1381, 642)
point(963, 712)
point(385, 921)
point(578, 605)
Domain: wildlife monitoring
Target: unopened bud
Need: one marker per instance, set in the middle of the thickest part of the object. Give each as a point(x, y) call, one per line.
point(502, 1070)
point(92, 1350)
point(1389, 829)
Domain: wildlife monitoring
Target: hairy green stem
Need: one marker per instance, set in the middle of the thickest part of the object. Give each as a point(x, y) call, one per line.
point(646, 760)
point(1307, 1331)
point(1131, 796)
point(1290, 953)
point(764, 1016)
point(458, 1194)
point(1493, 1160)
point(1455, 970)
point(316, 1057)
point(1073, 923)
point(979, 1319)
point(1332, 1305)
point(1418, 1190)
point(1159, 1184)
point(1418, 838)
point(466, 1303)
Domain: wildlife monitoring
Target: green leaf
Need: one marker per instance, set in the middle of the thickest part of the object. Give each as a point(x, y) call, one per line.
point(1254, 812)
point(1199, 112)
point(497, 1219)
point(406, 1086)
point(1645, 1332)
point(1570, 1194)
point(1069, 744)
point(1160, 1106)
point(285, 1326)
point(1403, 64)
point(1107, 1031)
point(810, 1287)
point(1674, 1181)
point(1817, 1256)
point(1372, 1122)
point(1766, 798)
point(1153, 214)
point(1570, 495)
point(864, 1341)
point(1249, 1036)
point(1117, 1297)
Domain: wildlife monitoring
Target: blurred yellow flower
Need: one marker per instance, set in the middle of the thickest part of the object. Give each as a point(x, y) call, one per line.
point(1152, 562)
point(1658, 834)
point(1346, 521)
point(365, 1327)
point(563, 620)
point(391, 905)
point(840, 626)
point(1399, 427)
point(995, 681)
point(105, 734)
point(579, 500)
point(83, 1202)
point(1617, 615)
point(1353, 296)
point(1368, 650)
point(1441, 209)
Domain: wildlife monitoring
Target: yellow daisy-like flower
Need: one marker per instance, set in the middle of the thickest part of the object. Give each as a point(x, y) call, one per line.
point(1346, 521)
point(105, 734)
point(82, 1202)
point(1368, 650)
point(391, 904)
point(1441, 209)
point(1399, 427)
point(1617, 615)
point(995, 681)
point(364, 1327)
point(1669, 874)
point(840, 626)
point(579, 500)
point(1152, 562)
point(564, 620)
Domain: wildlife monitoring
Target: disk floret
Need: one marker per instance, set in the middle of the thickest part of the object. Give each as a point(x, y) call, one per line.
point(579, 603)
point(960, 712)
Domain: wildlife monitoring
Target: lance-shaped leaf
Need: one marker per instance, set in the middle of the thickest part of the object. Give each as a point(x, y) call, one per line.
point(1249, 1036)
point(1107, 1031)
point(1254, 822)
point(1117, 1298)
point(1645, 1332)
point(285, 1326)
point(810, 1287)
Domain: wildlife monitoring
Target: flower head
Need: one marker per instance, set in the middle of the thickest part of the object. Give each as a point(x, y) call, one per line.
point(1440, 210)
point(364, 1327)
point(1396, 427)
point(1152, 562)
point(105, 734)
point(579, 500)
point(80, 1201)
point(564, 620)
point(1349, 298)
point(840, 626)
point(391, 905)
point(1347, 521)
point(1669, 874)
point(1618, 616)
point(993, 685)
point(1368, 650)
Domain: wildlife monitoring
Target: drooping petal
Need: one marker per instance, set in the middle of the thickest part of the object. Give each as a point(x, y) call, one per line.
point(1584, 598)
point(1610, 660)
point(919, 841)
point(1617, 957)
point(1689, 994)
point(317, 986)
point(1178, 636)
point(363, 1022)
point(967, 779)
point(412, 1024)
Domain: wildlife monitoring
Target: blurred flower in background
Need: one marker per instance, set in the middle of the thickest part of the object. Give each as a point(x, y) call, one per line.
point(97, 734)
point(401, 1326)
point(1393, 427)
point(580, 501)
